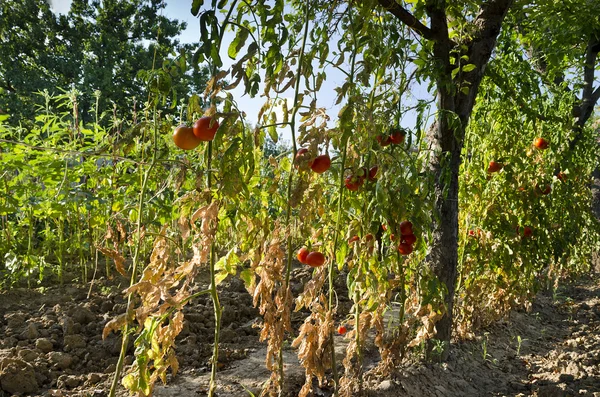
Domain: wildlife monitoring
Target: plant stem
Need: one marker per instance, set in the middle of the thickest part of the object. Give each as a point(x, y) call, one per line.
point(292, 125)
point(218, 310)
point(357, 338)
point(134, 265)
point(331, 269)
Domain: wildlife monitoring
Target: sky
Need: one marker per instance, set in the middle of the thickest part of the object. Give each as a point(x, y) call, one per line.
point(180, 9)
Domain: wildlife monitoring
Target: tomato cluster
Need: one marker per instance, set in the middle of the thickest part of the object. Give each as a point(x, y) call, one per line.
point(319, 164)
point(408, 238)
point(312, 259)
point(188, 138)
point(356, 179)
point(394, 137)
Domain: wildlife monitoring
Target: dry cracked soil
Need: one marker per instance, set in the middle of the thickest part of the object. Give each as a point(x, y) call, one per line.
point(51, 345)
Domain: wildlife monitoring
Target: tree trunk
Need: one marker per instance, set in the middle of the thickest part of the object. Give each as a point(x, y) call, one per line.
point(596, 211)
point(443, 254)
point(446, 138)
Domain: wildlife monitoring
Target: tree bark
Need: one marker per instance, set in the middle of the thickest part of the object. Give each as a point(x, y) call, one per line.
point(446, 138)
point(596, 209)
point(446, 135)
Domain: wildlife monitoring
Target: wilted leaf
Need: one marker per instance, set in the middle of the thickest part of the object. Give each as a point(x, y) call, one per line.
point(115, 324)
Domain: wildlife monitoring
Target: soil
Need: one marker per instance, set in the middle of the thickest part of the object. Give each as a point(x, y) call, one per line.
point(51, 345)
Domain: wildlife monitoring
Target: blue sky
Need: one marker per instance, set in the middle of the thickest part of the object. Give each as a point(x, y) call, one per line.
point(180, 9)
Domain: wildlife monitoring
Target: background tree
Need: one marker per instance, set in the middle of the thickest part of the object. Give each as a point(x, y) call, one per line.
point(461, 38)
point(31, 58)
point(562, 42)
point(97, 46)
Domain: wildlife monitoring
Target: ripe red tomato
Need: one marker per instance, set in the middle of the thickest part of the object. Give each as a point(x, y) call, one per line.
point(409, 239)
point(472, 233)
point(540, 143)
point(527, 231)
point(384, 140)
point(342, 330)
point(561, 176)
point(321, 163)
point(373, 173)
point(353, 239)
point(204, 130)
point(299, 159)
point(547, 190)
point(397, 136)
point(405, 249)
point(302, 254)
point(494, 167)
point(369, 237)
point(392, 237)
point(301, 151)
point(315, 259)
point(406, 228)
point(353, 182)
point(184, 138)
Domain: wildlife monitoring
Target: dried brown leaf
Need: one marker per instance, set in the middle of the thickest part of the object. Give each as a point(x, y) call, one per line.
point(116, 257)
point(114, 325)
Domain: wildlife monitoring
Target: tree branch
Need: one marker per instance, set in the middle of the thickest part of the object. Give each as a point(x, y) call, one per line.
point(407, 18)
point(595, 96)
point(587, 97)
point(488, 24)
point(7, 86)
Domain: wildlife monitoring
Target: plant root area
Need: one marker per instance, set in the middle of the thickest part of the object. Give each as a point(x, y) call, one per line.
point(51, 345)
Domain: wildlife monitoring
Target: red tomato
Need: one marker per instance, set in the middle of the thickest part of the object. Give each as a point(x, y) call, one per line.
point(205, 128)
point(373, 173)
point(384, 140)
point(547, 190)
point(315, 259)
point(302, 254)
point(299, 159)
point(368, 237)
point(397, 136)
point(321, 163)
point(184, 138)
point(353, 182)
point(409, 239)
point(405, 249)
point(540, 143)
point(342, 330)
point(301, 151)
point(472, 233)
point(406, 228)
point(353, 239)
point(494, 167)
point(562, 176)
point(527, 231)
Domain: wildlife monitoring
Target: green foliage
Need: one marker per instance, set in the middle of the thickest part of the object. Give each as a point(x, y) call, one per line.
point(96, 46)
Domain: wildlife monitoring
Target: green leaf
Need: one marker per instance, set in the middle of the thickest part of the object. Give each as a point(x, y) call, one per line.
point(340, 255)
point(455, 72)
point(196, 4)
point(468, 67)
point(238, 43)
point(248, 276)
point(272, 129)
